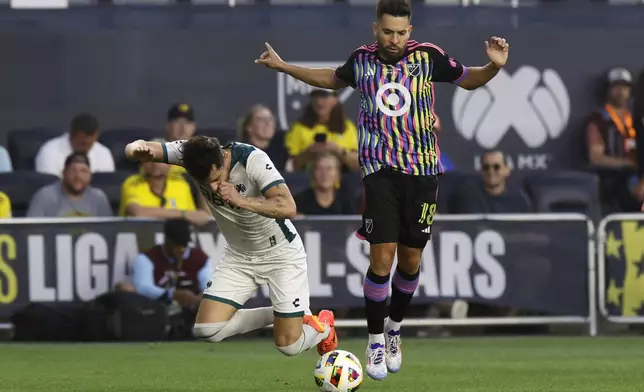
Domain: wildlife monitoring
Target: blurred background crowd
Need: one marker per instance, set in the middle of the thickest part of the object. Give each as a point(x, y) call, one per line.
point(89, 80)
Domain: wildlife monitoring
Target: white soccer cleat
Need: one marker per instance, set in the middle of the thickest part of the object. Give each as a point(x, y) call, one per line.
point(393, 350)
point(376, 367)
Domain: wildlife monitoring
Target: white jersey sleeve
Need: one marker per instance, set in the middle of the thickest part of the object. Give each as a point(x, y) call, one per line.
point(173, 152)
point(262, 172)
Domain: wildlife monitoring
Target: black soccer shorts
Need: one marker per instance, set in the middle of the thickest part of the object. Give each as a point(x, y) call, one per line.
point(398, 208)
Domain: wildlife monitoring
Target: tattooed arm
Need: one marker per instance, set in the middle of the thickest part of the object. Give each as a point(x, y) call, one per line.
point(277, 203)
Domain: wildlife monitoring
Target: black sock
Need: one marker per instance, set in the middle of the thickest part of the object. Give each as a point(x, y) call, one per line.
point(403, 287)
point(376, 291)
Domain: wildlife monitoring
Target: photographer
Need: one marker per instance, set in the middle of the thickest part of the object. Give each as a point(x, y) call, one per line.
point(174, 272)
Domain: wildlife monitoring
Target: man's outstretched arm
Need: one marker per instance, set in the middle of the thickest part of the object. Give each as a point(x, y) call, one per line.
point(318, 77)
point(497, 51)
point(143, 151)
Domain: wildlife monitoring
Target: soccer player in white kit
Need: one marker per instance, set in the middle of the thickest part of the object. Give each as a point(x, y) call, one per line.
point(251, 205)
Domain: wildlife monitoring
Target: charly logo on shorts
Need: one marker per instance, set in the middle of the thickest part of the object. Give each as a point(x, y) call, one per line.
point(293, 94)
point(536, 105)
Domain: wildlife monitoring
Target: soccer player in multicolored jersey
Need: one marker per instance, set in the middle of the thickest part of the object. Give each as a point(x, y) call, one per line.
point(252, 206)
point(399, 157)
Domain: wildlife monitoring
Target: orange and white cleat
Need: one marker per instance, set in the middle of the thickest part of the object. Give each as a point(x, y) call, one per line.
point(327, 318)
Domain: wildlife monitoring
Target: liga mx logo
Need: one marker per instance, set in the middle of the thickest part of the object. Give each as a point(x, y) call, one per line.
point(536, 105)
point(293, 94)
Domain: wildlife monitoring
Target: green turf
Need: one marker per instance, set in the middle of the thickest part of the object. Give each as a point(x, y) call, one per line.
point(450, 365)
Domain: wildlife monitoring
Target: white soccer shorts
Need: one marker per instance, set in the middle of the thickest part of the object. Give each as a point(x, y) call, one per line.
point(237, 277)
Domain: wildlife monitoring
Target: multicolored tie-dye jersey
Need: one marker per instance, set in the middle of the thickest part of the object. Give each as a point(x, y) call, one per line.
point(396, 119)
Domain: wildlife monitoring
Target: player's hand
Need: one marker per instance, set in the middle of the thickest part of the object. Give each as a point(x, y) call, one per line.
point(271, 59)
point(316, 147)
point(199, 217)
point(229, 194)
point(139, 151)
point(497, 51)
point(186, 298)
point(334, 148)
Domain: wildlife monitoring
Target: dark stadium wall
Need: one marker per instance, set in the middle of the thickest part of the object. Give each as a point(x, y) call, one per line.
point(127, 65)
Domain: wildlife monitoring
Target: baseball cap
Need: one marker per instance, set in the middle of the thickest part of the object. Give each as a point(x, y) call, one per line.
point(178, 231)
point(620, 75)
point(181, 110)
point(76, 157)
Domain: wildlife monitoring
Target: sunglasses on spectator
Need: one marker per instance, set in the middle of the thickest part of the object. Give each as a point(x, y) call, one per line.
point(494, 166)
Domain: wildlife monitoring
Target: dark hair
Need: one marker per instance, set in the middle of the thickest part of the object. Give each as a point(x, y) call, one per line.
point(177, 231)
point(76, 157)
point(337, 118)
point(200, 154)
point(492, 152)
point(85, 123)
point(393, 8)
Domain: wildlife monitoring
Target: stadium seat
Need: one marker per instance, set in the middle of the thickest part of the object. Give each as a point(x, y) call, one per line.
point(564, 192)
point(450, 183)
point(297, 182)
point(223, 135)
point(111, 183)
point(21, 186)
point(352, 186)
point(23, 145)
point(117, 139)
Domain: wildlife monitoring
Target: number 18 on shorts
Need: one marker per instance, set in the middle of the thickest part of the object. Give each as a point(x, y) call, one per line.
point(399, 208)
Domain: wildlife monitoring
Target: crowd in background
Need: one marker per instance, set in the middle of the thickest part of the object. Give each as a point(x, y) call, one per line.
point(321, 147)
point(323, 143)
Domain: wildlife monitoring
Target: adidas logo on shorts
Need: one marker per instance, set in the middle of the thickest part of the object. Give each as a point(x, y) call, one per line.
point(427, 230)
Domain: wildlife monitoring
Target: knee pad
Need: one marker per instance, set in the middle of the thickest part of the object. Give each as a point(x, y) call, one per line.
point(292, 349)
point(208, 332)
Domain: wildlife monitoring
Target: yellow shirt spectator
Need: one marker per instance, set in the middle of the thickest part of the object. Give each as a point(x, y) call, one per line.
point(5, 206)
point(177, 194)
point(300, 137)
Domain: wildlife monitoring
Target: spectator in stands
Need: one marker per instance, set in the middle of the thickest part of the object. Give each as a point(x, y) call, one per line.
point(174, 272)
point(492, 195)
point(72, 196)
point(5, 161)
point(638, 123)
point(81, 138)
point(5, 206)
point(323, 127)
point(324, 197)
point(181, 122)
point(612, 145)
point(258, 129)
point(157, 192)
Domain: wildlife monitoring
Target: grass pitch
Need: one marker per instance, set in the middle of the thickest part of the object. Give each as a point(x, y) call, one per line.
point(436, 365)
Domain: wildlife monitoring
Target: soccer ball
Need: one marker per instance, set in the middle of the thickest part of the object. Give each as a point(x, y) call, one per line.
point(338, 371)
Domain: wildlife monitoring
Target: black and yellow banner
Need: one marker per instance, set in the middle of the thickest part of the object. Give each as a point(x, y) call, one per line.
point(531, 265)
point(624, 266)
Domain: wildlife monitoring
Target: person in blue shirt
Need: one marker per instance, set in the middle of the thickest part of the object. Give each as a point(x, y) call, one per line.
point(173, 271)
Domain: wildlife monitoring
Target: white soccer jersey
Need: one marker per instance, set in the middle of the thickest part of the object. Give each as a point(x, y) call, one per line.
point(252, 173)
